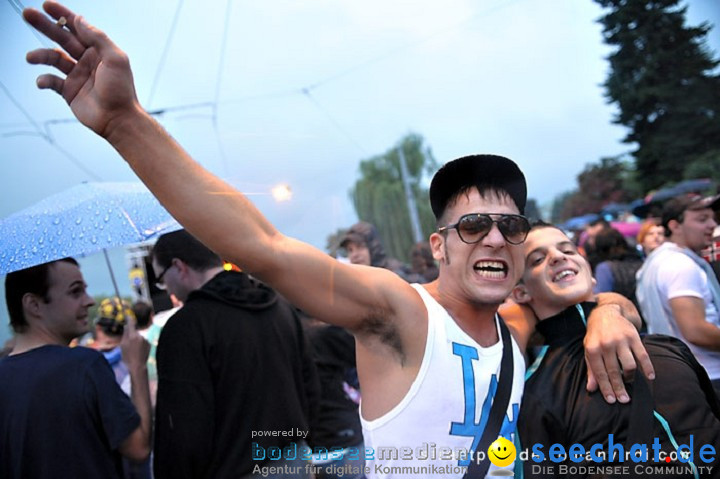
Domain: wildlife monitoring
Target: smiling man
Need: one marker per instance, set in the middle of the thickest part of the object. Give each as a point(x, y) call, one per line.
point(558, 286)
point(428, 356)
point(677, 289)
point(62, 415)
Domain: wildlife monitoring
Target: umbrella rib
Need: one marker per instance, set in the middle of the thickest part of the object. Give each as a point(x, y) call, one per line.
point(132, 223)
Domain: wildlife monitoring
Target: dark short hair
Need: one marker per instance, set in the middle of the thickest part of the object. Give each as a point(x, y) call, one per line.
point(610, 244)
point(484, 172)
point(675, 208)
point(542, 224)
point(143, 314)
point(184, 246)
point(34, 280)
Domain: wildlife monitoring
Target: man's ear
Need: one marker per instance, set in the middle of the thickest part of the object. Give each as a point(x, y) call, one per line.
point(521, 294)
point(673, 225)
point(437, 246)
point(182, 268)
point(31, 304)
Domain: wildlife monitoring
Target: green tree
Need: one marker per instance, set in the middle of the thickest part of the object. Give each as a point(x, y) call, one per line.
point(379, 195)
point(531, 210)
point(662, 80)
point(599, 184)
point(557, 210)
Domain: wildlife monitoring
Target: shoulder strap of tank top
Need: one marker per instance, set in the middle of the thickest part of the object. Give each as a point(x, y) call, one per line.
point(478, 469)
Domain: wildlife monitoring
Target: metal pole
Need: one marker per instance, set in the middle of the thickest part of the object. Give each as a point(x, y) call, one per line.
point(412, 206)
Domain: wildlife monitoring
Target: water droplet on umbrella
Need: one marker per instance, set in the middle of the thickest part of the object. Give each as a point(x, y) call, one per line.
point(93, 239)
point(56, 221)
point(107, 218)
point(78, 221)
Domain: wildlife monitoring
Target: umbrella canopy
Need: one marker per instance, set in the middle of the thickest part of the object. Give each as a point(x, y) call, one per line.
point(83, 219)
point(641, 208)
point(579, 222)
point(627, 229)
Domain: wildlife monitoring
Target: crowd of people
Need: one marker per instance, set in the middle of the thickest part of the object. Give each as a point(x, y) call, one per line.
point(300, 365)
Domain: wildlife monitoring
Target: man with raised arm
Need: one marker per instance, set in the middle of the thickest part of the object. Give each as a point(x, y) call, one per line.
point(428, 356)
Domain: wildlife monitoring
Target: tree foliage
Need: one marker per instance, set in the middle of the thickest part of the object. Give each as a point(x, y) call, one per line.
point(662, 80)
point(599, 184)
point(379, 195)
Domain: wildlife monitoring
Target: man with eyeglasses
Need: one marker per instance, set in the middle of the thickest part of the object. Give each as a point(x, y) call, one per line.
point(428, 356)
point(231, 361)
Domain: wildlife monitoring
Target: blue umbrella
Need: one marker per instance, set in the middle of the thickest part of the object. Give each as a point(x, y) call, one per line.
point(83, 219)
point(579, 222)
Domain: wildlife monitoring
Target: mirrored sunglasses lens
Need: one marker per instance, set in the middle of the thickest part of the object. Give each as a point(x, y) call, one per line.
point(514, 228)
point(473, 228)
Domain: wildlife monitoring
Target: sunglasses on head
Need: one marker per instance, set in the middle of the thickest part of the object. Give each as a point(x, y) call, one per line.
point(474, 227)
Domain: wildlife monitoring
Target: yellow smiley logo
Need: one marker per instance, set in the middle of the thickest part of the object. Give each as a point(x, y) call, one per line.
point(501, 452)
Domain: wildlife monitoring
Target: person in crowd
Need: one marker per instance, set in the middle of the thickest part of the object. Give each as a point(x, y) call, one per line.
point(62, 415)
point(422, 268)
point(557, 409)
point(617, 264)
point(337, 431)
point(150, 330)
point(113, 314)
point(677, 290)
point(363, 246)
point(650, 236)
point(591, 231)
point(232, 361)
point(417, 347)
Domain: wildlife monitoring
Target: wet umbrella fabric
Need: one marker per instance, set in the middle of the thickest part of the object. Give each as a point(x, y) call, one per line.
point(83, 219)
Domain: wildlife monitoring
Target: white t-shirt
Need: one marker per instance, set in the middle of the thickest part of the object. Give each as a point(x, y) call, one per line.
point(679, 276)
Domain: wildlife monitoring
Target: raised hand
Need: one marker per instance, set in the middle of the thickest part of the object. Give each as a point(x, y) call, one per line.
point(98, 83)
point(135, 349)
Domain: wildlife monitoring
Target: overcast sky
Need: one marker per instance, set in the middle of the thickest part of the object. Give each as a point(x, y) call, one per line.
point(520, 78)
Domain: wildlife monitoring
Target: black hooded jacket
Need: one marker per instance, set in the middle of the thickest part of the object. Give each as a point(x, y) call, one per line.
point(231, 362)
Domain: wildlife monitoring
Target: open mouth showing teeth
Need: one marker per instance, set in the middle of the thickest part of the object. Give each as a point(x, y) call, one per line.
point(564, 274)
point(491, 269)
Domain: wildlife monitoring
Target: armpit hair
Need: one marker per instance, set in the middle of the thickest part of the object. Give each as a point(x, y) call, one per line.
point(376, 325)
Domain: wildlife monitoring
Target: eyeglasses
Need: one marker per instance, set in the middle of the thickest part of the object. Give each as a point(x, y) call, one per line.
point(159, 280)
point(474, 227)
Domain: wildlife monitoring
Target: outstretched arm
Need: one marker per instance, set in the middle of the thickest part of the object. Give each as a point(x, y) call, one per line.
point(98, 86)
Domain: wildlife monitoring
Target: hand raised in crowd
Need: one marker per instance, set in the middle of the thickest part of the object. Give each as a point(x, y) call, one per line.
point(135, 349)
point(98, 83)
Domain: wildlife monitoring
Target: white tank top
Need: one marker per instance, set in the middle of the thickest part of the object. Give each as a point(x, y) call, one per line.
point(445, 411)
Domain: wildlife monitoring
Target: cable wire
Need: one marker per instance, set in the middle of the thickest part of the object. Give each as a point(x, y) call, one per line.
point(163, 57)
point(39, 132)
